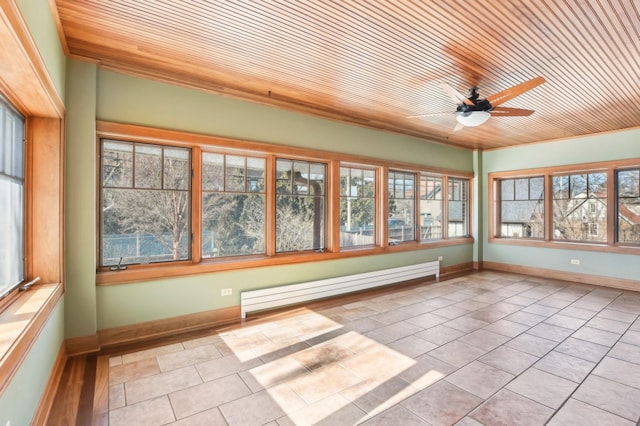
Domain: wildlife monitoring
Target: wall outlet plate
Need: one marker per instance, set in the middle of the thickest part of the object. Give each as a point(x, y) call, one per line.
point(575, 261)
point(226, 292)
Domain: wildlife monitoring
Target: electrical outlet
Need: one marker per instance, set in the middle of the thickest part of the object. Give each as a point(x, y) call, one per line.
point(440, 258)
point(226, 292)
point(575, 261)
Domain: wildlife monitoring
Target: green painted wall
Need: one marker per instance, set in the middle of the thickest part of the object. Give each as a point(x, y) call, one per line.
point(127, 99)
point(80, 196)
point(37, 14)
point(594, 148)
point(124, 304)
point(20, 399)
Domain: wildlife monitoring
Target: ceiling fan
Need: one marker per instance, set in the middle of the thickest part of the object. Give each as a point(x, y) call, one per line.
point(473, 110)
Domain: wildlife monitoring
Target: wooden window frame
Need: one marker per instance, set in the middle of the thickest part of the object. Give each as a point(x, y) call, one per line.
point(608, 167)
point(376, 205)
point(199, 143)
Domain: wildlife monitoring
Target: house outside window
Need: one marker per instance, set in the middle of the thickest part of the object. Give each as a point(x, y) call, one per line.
point(300, 205)
point(357, 206)
point(400, 220)
point(233, 205)
point(12, 198)
point(573, 195)
point(522, 207)
point(458, 207)
point(431, 207)
point(145, 203)
point(628, 206)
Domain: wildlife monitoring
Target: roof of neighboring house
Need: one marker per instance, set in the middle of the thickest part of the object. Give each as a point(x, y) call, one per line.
point(630, 213)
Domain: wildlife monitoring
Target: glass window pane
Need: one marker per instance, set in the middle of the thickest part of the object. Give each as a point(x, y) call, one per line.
point(12, 202)
point(142, 226)
point(146, 223)
point(300, 206)
point(580, 214)
point(284, 176)
point(177, 173)
point(560, 186)
point(507, 189)
point(522, 189)
point(628, 206)
point(232, 224)
point(212, 172)
point(458, 208)
point(401, 219)
point(117, 164)
point(369, 183)
point(523, 217)
point(235, 173)
point(357, 207)
point(233, 214)
point(430, 207)
point(148, 167)
point(255, 174)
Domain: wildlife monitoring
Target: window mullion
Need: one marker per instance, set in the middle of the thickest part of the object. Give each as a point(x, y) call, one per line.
point(548, 208)
point(612, 208)
point(196, 204)
point(270, 207)
point(445, 207)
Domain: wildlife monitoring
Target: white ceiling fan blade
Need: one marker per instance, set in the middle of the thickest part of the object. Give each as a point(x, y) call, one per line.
point(455, 96)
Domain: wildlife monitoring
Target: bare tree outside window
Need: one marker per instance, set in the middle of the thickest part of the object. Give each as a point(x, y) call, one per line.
point(357, 206)
point(145, 203)
point(300, 205)
point(233, 205)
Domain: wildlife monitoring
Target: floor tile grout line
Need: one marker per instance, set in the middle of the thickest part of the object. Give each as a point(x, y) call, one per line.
point(596, 364)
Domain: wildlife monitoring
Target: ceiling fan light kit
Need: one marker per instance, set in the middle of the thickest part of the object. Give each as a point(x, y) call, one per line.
point(472, 118)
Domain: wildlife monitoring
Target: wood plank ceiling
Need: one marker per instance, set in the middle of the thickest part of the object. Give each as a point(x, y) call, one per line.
point(375, 63)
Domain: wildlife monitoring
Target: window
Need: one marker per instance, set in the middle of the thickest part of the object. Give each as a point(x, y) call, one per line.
point(522, 207)
point(145, 203)
point(458, 207)
point(300, 205)
point(597, 205)
point(573, 216)
point(628, 192)
point(401, 206)
point(233, 205)
point(173, 203)
point(357, 206)
point(430, 207)
point(12, 207)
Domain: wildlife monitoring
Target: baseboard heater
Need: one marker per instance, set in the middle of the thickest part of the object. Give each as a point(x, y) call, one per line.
point(273, 297)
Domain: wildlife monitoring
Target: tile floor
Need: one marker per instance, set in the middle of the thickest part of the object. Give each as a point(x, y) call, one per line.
point(489, 348)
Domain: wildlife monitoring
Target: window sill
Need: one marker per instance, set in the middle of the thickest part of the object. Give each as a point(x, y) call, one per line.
point(20, 324)
point(600, 247)
point(140, 273)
